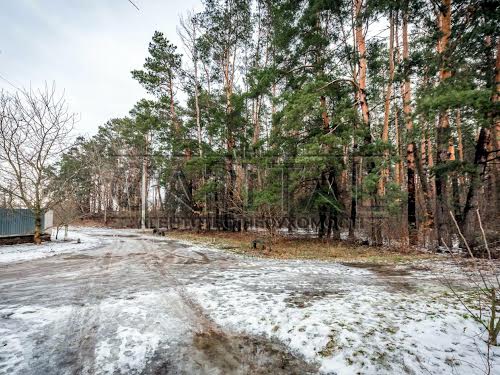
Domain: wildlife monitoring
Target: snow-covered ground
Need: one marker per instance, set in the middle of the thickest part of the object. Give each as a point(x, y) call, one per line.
point(122, 302)
point(29, 251)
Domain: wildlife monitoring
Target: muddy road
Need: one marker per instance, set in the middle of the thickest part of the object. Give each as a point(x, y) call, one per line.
point(123, 308)
point(137, 304)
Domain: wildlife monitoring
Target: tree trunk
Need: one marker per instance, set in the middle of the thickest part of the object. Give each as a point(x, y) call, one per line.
point(344, 174)
point(172, 106)
point(387, 112)
point(496, 99)
point(105, 206)
point(494, 145)
point(430, 165)
point(230, 141)
point(322, 209)
point(363, 65)
point(158, 192)
point(422, 164)
point(324, 114)
point(354, 192)
point(256, 122)
point(197, 106)
point(484, 146)
point(37, 238)
point(460, 146)
point(365, 111)
point(398, 168)
point(460, 150)
point(443, 126)
point(334, 227)
point(472, 200)
point(410, 148)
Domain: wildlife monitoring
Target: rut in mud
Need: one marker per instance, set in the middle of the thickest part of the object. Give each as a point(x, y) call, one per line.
point(219, 353)
point(245, 354)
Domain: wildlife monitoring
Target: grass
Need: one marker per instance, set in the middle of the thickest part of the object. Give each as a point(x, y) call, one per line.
point(301, 248)
point(329, 348)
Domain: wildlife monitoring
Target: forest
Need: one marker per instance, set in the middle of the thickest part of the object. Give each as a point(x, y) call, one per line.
point(300, 187)
point(377, 119)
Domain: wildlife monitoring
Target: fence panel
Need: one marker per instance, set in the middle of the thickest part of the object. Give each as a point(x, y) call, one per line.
point(17, 222)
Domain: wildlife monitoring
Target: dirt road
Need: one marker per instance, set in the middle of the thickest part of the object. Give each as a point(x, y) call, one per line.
point(137, 304)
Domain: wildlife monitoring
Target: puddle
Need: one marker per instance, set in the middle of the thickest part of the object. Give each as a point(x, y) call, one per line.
point(243, 354)
point(217, 353)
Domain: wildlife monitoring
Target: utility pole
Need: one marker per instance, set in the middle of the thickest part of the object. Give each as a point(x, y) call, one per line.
point(143, 193)
point(144, 182)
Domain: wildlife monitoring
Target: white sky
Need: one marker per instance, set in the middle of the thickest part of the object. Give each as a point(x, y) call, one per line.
point(88, 47)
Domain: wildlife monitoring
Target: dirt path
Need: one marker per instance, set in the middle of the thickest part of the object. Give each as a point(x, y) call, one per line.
point(139, 304)
point(58, 316)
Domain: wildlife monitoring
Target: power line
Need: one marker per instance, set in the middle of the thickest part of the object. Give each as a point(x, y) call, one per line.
point(9, 82)
point(252, 159)
point(135, 6)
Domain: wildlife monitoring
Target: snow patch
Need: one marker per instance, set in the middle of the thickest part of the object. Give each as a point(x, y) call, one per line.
point(368, 330)
point(26, 252)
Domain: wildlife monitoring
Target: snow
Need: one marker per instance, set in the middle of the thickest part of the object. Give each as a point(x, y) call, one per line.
point(128, 332)
point(368, 329)
point(129, 301)
point(16, 344)
point(131, 342)
point(30, 251)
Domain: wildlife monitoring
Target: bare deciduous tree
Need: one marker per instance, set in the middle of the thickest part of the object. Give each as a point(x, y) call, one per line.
point(35, 126)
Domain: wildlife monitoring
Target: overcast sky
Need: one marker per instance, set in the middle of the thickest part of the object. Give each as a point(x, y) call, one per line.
point(88, 47)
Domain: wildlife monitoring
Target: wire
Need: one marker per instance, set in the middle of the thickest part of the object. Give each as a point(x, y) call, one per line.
point(261, 157)
point(9, 82)
point(135, 6)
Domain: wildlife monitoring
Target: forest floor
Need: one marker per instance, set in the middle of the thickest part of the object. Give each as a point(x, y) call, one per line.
point(284, 247)
point(127, 302)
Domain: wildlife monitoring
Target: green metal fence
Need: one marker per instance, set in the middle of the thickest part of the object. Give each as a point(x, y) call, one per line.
point(17, 222)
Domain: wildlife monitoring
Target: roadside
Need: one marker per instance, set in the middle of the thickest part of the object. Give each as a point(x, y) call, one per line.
point(29, 251)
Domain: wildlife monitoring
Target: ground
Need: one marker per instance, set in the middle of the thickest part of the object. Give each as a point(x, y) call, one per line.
point(125, 302)
point(301, 247)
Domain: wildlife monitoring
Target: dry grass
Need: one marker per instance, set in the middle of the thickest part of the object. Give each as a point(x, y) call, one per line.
point(300, 248)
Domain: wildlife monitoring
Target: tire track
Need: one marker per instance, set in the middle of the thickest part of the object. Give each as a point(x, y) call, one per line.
point(212, 349)
point(158, 265)
point(74, 352)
